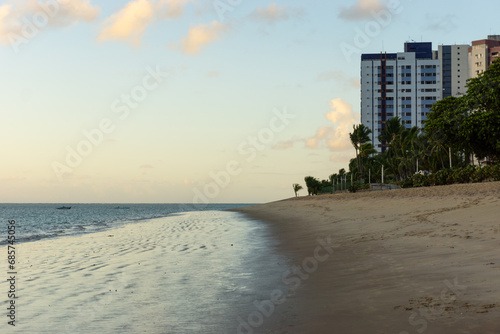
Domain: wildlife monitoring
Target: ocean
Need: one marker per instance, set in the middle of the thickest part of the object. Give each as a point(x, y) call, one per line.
point(41, 221)
point(142, 268)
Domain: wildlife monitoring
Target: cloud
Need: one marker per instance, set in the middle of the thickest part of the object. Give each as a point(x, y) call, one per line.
point(171, 9)
point(213, 74)
point(283, 145)
point(361, 10)
point(200, 36)
point(441, 23)
point(14, 178)
point(338, 76)
point(335, 136)
point(146, 166)
point(274, 13)
point(16, 17)
point(130, 23)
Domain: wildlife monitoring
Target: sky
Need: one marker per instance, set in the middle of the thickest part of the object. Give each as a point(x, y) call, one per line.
point(194, 101)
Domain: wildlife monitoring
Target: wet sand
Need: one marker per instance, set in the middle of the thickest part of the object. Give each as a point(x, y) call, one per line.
point(423, 260)
point(197, 272)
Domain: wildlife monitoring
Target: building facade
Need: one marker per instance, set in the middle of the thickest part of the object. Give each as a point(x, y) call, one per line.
point(404, 85)
point(482, 53)
point(454, 68)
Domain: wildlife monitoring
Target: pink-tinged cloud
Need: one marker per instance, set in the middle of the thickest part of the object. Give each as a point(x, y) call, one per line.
point(200, 36)
point(335, 136)
point(146, 166)
point(17, 15)
point(283, 145)
point(339, 76)
point(274, 13)
point(361, 10)
point(213, 74)
point(171, 9)
point(131, 22)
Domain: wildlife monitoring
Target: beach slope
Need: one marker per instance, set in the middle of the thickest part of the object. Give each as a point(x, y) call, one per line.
point(403, 261)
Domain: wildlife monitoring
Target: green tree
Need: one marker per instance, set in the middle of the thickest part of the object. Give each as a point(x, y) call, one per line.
point(482, 127)
point(359, 136)
point(296, 188)
point(391, 134)
point(445, 127)
point(313, 185)
point(391, 137)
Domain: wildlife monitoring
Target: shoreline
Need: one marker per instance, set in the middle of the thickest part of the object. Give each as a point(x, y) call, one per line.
point(405, 261)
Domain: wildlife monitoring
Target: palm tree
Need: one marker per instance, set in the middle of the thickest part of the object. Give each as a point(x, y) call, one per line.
point(366, 150)
point(296, 188)
point(391, 134)
point(359, 136)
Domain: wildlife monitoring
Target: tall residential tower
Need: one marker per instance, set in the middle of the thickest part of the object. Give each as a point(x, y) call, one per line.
point(404, 84)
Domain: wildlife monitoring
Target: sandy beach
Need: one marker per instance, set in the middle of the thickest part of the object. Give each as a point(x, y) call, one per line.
point(403, 261)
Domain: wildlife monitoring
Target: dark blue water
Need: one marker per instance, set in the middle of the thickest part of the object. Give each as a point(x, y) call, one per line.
point(41, 221)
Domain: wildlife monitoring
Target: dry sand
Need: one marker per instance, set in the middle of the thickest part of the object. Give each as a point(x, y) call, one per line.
point(405, 261)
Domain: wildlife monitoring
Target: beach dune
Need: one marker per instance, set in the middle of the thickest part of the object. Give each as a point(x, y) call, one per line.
point(404, 261)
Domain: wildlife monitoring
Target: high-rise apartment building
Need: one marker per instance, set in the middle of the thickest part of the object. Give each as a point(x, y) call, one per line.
point(404, 84)
point(482, 53)
point(454, 68)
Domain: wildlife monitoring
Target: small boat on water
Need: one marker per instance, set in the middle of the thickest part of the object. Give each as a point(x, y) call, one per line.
point(64, 208)
point(122, 207)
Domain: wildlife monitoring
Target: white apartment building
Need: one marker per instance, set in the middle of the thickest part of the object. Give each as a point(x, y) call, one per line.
point(404, 85)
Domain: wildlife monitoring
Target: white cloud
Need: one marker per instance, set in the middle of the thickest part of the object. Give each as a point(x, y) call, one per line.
point(200, 36)
point(15, 17)
point(361, 10)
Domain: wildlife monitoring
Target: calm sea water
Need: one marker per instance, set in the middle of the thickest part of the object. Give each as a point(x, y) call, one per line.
point(40, 221)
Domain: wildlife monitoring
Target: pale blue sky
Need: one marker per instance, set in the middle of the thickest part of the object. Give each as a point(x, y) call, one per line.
point(221, 88)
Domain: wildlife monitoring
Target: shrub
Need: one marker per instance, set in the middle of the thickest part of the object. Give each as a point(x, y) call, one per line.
point(420, 180)
point(464, 175)
point(406, 183)
point(353, 188)
point(450, 176)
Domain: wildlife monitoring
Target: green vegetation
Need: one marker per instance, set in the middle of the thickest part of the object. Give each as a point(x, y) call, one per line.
point(457, 131)
point(296, 188)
